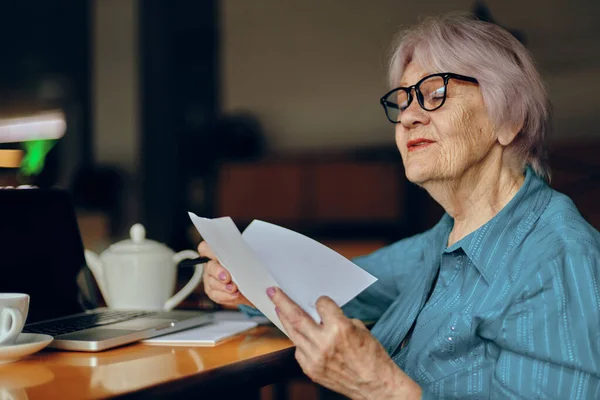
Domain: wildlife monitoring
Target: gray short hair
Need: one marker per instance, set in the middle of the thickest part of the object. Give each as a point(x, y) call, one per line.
point(511, 86)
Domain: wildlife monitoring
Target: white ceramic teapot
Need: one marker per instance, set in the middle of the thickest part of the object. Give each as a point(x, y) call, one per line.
point(141, 274)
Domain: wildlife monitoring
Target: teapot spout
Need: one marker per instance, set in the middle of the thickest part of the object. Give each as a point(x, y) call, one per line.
point(97, 267)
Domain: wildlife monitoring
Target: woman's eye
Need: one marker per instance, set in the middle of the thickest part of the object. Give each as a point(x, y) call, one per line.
point(403, 106)
point(437, 94)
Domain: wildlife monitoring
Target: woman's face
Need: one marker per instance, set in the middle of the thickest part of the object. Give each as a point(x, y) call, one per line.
point(445, 143)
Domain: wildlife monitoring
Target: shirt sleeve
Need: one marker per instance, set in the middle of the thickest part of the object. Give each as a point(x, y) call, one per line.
point(394, 268)
point(250, 311)
point(547, 343)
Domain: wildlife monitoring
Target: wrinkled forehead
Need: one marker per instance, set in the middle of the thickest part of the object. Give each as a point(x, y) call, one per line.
point(412, 74)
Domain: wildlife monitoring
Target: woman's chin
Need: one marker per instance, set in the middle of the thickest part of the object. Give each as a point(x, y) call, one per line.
point(418, 174)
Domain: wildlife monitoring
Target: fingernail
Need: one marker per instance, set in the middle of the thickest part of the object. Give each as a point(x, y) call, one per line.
point(277, 310)
point(222, 276)
point(271, 291)
point(229, 287)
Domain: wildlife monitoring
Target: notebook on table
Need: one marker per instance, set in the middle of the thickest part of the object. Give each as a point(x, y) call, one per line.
point(206, 335)
point(42, 254)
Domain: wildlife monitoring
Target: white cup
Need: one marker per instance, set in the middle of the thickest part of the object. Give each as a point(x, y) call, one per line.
point(13, 313)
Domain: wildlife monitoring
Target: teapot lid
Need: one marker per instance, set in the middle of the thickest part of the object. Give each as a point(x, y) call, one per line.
point(138, 242)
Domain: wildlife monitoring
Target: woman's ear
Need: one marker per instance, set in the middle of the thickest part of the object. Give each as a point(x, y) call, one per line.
point(507, 134)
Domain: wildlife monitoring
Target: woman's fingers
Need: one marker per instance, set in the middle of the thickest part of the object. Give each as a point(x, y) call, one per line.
point(217, 271)
point(215, 288)
point(215, 284)
point(297, 319)
point(218, 284)
point(227, 294)
point(205, 251)
point(213, 267)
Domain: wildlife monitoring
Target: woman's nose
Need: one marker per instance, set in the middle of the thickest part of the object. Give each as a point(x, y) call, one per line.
point(414, 116)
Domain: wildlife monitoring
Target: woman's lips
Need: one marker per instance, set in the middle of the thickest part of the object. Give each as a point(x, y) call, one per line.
point(417, 144)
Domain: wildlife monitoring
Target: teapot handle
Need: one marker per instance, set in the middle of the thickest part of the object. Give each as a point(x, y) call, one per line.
point(192, 283)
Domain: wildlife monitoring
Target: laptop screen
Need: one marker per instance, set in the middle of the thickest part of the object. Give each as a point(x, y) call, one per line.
point(41, 250)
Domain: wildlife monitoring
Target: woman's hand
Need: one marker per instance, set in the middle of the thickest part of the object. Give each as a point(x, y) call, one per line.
point(217, 281)
point(340, 353)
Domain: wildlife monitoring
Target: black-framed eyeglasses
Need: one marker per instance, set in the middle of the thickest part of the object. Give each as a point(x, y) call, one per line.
point(430, 92)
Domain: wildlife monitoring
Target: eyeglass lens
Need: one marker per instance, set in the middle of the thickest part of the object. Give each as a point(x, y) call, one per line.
point(433, 91)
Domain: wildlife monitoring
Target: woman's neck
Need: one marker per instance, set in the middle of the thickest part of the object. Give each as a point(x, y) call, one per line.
point(476, 196)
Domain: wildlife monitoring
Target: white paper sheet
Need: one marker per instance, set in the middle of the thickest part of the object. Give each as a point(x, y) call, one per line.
point(247, 270)
point(269, 255)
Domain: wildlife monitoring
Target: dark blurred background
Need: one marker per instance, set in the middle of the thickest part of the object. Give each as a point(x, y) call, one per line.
point(263, 109)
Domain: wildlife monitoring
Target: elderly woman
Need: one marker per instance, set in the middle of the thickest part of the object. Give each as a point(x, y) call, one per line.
point(502, 297)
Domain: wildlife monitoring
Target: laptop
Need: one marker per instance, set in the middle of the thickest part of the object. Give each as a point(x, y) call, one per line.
point(42, 255)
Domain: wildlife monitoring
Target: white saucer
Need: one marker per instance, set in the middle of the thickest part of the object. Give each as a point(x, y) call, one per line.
point(26, 344)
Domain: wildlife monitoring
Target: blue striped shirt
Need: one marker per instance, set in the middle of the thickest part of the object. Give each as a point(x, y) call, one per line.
point(515, 311)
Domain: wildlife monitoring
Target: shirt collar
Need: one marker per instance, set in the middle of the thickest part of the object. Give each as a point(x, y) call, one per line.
point(487, 246)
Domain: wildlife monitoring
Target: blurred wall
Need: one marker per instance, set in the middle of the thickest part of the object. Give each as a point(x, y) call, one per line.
point(115, 82)
point(313, 70)
point(115, 93)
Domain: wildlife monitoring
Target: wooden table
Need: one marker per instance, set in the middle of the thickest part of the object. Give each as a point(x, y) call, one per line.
point(234, 369)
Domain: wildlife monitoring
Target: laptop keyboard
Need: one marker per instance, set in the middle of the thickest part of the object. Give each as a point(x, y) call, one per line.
point(86, 321)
